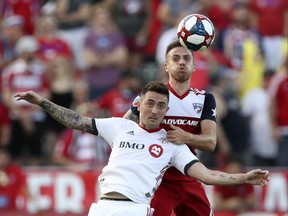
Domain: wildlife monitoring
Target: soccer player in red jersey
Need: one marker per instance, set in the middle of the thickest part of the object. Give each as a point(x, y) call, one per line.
point(191, 119)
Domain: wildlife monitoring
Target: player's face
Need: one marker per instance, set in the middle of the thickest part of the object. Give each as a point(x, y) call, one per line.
point(153, 107)
point(179, 64)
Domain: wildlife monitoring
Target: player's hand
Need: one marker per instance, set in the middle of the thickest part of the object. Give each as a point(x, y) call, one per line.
point(176, 135)
point(258, 177)
point(30, 97)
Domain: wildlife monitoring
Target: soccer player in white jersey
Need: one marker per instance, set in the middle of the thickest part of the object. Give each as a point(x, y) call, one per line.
point(140, 154)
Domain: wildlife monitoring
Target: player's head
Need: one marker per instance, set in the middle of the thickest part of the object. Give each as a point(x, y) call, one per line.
point(179, 62)
point(153, 104)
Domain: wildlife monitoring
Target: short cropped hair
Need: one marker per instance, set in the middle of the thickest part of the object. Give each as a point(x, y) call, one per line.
point(173, 45)
point(157, 87)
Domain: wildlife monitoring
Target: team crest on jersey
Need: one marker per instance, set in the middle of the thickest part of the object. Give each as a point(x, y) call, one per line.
point(156, 150)
point(198, 107)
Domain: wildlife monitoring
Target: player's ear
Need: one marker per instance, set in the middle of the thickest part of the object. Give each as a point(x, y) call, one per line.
point(138, 106)
point(165, 67)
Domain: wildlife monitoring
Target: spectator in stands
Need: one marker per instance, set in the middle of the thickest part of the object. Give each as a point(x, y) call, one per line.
point(11, 31)
point(105, 52)
point(237, 198)
point(29, 10)
point(5, 126)
point(236, 33)
point(50, 44)
point(232, 126)
point(72, 18)
point(169, 10)
point(220, 13)
point(273, 31)
point(155, 26)
point(279, 116)
point(57, 57)
point(118, 100)
point(12, 181)
point(80, 151)
point(241, 47)
point(132, 17)
point(262, 144)
point(27, 122)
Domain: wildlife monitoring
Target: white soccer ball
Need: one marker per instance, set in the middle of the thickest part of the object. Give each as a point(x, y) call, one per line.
point(196, 32)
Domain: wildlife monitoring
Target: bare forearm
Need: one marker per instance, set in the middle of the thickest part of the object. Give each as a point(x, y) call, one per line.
point(214, 177)
point(67, 117)
point(203, 142)
point(131, 116)
point(222, 178)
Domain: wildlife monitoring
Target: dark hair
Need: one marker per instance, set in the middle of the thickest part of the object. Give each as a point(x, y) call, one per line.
point(157, 87)
point(173, 45)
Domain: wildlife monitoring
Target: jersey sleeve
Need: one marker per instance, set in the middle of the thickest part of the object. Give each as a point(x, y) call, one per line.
point(108, 127)
point(183, 159)
point(209, 110)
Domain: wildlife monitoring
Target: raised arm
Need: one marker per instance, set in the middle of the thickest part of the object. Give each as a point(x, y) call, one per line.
point(67, 117)
point(130, 115)
point(214, 177)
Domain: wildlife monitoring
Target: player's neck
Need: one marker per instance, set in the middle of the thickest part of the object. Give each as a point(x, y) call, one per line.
point(180, 87)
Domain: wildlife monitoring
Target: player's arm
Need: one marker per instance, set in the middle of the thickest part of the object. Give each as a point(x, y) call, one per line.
point(206, 140)
point(133, 113)
point(130, 115)
point(214, 177)
point(67, 117)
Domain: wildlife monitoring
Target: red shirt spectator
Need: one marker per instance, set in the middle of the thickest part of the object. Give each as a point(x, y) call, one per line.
point(48, 49)
point(118, 100)
point(12, 181)
point(28, 9)
point(270, 15)
point(238, 198)
point(50, 44)
point(81, 150)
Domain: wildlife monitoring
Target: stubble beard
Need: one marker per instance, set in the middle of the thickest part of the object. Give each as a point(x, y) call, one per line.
point(181, 78)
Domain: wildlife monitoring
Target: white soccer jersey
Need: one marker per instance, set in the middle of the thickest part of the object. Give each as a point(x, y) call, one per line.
point(136, 165)
point(186, 111)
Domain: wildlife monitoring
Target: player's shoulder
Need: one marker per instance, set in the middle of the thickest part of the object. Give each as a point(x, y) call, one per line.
point(123, 121)
point(207, 96)
point(199, 92)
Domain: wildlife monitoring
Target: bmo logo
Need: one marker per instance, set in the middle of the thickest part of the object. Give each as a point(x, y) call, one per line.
point(156, 150)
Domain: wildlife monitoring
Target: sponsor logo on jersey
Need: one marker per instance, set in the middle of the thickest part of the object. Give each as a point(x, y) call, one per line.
point(124, 144)
point(180, 122)
point(156, 150)
point(197, 107)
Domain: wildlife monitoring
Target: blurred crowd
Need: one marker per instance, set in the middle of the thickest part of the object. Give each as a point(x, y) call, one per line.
point(94, 57)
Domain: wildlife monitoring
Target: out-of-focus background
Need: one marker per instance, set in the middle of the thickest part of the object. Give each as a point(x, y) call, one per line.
point(94, 56)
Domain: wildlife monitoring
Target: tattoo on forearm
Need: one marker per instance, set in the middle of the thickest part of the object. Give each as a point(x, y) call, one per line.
point(133, 117)
point(68, 118)
point(224, 176)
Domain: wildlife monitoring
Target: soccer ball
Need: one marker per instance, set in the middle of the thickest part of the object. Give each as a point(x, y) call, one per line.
point(196, 32)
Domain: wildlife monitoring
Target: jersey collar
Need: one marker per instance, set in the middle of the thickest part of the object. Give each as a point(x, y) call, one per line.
point(175, 93)
point(150, 131)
